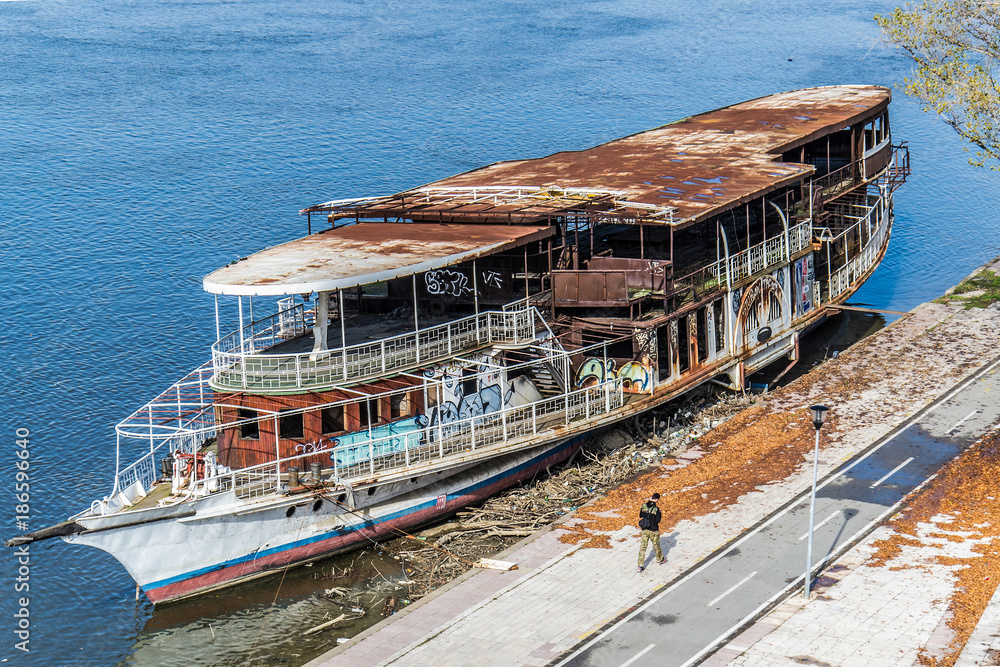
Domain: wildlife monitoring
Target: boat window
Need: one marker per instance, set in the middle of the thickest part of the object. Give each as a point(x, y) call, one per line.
point(683, 343)
point(251, 430)
point(290, 426)
point(333, 419)
point(701, 334)
point(469, 382)
point(620, 350)
point(399, 405)
point(432, 396)
point(368, 413)
point(720, 325)
point(664, 354)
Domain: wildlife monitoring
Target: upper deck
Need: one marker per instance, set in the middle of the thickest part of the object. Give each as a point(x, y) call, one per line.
point(676, 174)
point(510, 233)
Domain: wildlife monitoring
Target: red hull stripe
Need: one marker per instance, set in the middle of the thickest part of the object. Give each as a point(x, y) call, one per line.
point(337, 541)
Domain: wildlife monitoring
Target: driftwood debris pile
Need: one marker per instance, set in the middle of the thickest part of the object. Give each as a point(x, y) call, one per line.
point(602, 463)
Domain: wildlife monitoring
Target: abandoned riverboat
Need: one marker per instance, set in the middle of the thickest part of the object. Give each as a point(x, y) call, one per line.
point(430, 348)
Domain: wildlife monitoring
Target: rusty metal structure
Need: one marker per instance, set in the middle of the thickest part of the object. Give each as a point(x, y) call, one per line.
point(670, 231)
point(434, 346)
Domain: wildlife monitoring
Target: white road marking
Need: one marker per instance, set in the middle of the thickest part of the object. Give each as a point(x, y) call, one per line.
point(991, 368)
point(962, 421)
point(637, 655)
point(891, 473)
point(741, 582)
point(822, 523)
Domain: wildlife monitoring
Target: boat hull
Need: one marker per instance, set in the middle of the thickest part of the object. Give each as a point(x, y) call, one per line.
point(317, 527)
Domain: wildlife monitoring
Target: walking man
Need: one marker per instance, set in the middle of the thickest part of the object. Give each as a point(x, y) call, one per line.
point(649, 523)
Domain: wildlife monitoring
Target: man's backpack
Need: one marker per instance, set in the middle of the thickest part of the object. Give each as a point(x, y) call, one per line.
point(644, 523)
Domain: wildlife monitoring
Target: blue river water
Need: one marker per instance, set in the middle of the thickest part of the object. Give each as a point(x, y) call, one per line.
point(144, 144)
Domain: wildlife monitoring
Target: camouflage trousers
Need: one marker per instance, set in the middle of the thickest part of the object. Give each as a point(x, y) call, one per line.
point(648, 535)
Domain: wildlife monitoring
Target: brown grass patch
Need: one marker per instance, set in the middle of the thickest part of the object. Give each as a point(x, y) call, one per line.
point(967, 490)
point(754, 448)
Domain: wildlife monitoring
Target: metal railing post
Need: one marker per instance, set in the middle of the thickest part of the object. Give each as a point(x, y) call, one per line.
point(534, 419)
point(472, 429)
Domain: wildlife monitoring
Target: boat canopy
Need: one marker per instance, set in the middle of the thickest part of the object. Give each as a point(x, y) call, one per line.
point(364, 253)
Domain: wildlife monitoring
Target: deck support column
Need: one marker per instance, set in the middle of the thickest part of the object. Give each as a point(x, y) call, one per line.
point(340, 311)
point(416, 320)
point(277, 453)
point(240, 306)
point(526, 294)
point(343, 334)
point(475, 298)
point(218, 331)
point(321, 324)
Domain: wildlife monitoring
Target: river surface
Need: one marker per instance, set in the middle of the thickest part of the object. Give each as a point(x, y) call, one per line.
point(144, 144)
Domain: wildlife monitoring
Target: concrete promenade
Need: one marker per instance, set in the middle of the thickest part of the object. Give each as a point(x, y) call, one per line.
point(882, 605)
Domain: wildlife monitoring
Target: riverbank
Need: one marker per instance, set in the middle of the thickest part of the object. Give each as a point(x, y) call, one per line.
point(574, 578)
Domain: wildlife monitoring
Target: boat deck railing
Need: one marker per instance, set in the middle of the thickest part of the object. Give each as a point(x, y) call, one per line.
point(492, 432)
point(877, 227)
point(769, 253)
point(742, 265)
point(239, 364)
point(393, 453)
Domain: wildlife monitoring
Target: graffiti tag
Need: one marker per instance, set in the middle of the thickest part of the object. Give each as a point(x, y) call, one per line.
point(446, 282)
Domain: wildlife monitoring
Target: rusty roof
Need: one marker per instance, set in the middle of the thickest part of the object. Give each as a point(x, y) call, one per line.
point(676, 174)
point(362, 254)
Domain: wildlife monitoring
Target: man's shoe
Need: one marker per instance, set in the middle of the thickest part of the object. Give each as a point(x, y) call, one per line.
point(662, 561)
point(640, 569)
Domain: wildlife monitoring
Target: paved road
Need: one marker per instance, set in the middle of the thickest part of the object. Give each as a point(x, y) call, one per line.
point(687, 621)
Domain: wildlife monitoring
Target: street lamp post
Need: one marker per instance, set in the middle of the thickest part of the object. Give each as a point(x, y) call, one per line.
point(818, 415)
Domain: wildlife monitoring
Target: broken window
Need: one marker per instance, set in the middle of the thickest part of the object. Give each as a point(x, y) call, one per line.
point(290, 426)
point(250, 430)
point(332, 419)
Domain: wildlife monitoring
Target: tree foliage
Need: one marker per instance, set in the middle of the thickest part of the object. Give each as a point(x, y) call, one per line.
point(955, 46)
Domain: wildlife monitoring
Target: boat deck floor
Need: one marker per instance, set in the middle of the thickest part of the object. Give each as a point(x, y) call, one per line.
point(160, 491)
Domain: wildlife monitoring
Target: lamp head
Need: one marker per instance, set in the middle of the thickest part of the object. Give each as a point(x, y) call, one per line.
point(818, 415)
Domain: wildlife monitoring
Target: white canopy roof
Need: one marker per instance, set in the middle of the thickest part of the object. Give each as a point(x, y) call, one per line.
point(364, 253)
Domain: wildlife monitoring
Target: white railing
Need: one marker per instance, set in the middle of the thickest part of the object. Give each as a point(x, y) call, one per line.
point(800, 236)
point(235, 370)
point(266, 332)
point(178, 419)
point(398, 453)
point(876, 224)
point(770, 253)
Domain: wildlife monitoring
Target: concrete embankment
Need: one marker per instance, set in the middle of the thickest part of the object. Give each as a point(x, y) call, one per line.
point(574, 578)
